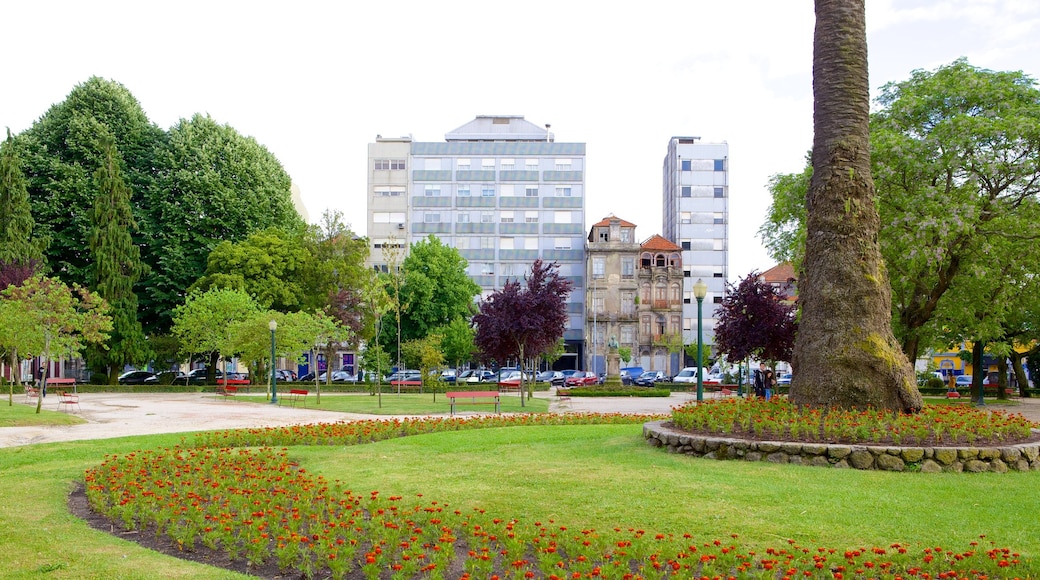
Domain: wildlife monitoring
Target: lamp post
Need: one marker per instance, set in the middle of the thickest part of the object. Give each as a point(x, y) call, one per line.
point(700, 290)
point(273, 325)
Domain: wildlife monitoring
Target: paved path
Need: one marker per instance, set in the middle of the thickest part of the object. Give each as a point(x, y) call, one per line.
point(116, 415)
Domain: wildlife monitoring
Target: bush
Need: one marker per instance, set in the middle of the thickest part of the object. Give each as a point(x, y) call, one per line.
point(605, 391)
point(935, 382)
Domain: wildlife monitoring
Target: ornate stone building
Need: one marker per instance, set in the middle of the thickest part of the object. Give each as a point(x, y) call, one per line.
point(612, 255)
point(660, 306)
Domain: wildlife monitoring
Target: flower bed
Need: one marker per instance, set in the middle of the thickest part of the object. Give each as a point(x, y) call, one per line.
point(259, 506)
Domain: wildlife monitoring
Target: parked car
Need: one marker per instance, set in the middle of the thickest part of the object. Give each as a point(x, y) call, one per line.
point(687, 375)
point(629, 374)
point(784, 379)
point(404, 375)
point(166, 378)
point(198, 376)
point(136, 377)
point(965, 380)
point(448, 375)
point(548, 376)
point(509, 379)
point(581, 379)
point(481, 377)
point(648, 378)
point(285, 375)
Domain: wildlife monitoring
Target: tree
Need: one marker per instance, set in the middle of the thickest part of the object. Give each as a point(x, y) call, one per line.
point(457, 341)
point(56, 320)
point(424, 354)
point(754, 321)
point(435, 288)
point(625, 354)
point(267, 265)
point(845, 354)
point(521, 321)
point(116, 268)
point(205, 323)
point(956, 156)
point(250, 340)
point(21, 255)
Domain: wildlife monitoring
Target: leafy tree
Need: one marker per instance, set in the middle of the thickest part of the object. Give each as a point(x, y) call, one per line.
point(56, 320)
point(625, 354)
point(117, 267)
point(845, 354)
point(424, 354)
point(205, 323)
point(457, 341)
point(267, 265)
point(214, 184)
point(435, 288)
point(754, 321)
point(21, 255)
point(956, 157)
point(250, 340)
point(521, 321)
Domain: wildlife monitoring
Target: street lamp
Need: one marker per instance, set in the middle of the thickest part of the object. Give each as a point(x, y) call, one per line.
point(700, 290)
point(273, 325)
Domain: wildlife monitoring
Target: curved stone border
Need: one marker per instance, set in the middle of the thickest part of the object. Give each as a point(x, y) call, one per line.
point(1021, 457)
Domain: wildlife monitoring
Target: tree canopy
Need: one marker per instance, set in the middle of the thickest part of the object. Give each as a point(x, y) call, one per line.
point(754, 321)
point(205, 323)
point(21, 254)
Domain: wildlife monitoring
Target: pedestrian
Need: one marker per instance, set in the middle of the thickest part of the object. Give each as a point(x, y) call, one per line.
point(760, 380)
point(770, 384)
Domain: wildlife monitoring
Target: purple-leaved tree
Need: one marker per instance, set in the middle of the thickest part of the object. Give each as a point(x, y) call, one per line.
point(523, 321)
point(755, 321)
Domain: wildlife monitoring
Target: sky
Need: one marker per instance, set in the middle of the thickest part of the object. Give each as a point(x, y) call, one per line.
point(315, 82)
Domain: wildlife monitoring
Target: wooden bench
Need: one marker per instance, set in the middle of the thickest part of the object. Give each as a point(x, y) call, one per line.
point(953, 395)
point(475, 398)
point(227, 391)
point(62, 381)
point(295, 396)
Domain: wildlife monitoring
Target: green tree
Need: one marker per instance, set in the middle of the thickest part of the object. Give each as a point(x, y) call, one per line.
point(435, 288)
point(267, 265)
point(57, 320)
point(117, 267)
point(250, 340)
point(457, 341)
point(424, 354)
point(205, 323)
point(845, 354)
point(624, 353)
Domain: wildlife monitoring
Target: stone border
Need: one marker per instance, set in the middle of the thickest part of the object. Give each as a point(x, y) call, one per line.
point(1021, 457)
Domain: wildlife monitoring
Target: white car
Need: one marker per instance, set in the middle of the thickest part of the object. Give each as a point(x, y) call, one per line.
point(687, 375)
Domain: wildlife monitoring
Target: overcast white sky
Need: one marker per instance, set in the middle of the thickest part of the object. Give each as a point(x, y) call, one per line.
point(315, 82)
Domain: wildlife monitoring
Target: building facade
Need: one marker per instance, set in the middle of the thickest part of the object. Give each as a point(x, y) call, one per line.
point(661, 338)
point(612, 290)
point(500, 190)
point(696, 217)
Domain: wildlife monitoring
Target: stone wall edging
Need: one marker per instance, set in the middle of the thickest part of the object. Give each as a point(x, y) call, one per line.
point(1019, 457)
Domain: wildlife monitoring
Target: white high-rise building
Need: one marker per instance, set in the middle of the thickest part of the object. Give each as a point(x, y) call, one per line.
point(500, 190)
point(696, 218)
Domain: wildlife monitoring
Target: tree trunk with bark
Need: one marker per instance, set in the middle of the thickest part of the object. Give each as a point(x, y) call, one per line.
point(845, 354)
point(1020, 373)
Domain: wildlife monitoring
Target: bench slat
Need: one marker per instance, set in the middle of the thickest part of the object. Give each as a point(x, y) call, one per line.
point(454, 396)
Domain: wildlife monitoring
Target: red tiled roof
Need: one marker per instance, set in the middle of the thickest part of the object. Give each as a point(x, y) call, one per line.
point(780, 273)
point(656, 242)
point(606, 222)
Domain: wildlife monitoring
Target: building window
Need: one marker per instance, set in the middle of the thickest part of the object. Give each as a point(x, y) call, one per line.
point(506, 217)
point(563, 191)
point(487, 243)
point(531, 217)
point(720, 165)
point(432, 191)
point(685, 164)
point(719, 218)
point(686, 244)
point(599, 267)
point(686, 273)
point(687, 297)
point(674, 298)
point(716, 299)
point(687, 191)
point(487, 269)
point(382, 164)
point(628, 303)
point(562, 243)
point(718, 244)
point(563, 165)
point(388, 217)
point(505, 190)
point(531, 164)
point(628, 267)
point(432, 164)
point(626, 235)
point(506, 164)
point(462, 243)
point(597, 303)
point(487, 164)
point(685, 217)
point(627, 335)
point(604, 234)
point(397, 164)
point(487, 217)
point(487, 191)
point(432, 218)
point(645, 330)
point(389, 191)
point(531, 191)
point(462, 164)
point(463, 191)
point(561, 217)
point(720, 192)
point(687, 324)
point(462, 217)
point(505, 244)
point(717, 273)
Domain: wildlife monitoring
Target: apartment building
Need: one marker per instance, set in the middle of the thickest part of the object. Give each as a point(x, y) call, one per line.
point(500, 190)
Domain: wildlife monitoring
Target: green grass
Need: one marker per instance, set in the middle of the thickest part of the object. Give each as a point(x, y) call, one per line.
point(586, 476)
point(21, 414)
point(403, 404)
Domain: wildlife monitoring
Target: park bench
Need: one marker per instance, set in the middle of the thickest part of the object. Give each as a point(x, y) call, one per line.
point(227, 391)
point(296, 396)
point(474, 398)
point(31, 393)
point(65, 381)
point(953, 395)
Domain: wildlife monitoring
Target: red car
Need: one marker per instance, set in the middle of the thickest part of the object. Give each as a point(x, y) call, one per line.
point(581, 379)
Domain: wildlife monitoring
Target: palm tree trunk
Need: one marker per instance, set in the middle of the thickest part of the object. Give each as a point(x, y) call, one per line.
point(845, 354)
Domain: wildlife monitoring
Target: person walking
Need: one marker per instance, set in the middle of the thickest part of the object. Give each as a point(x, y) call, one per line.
point(769, 384)
point(760, 380)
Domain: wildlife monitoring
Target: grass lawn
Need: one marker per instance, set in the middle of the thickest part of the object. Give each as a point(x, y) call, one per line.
point(21, 414)
point(583, 477)
point(403, 404)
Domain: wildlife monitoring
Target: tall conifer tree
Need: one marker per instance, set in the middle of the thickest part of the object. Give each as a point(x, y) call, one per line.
point(19, 252)
point(116, 266)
